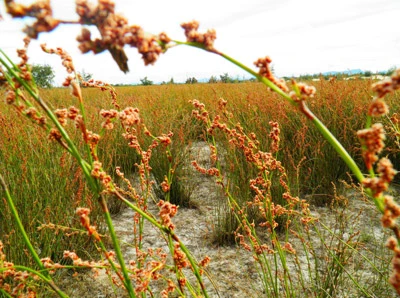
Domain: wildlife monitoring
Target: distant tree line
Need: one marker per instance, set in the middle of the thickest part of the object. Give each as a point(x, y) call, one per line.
point(44, 75)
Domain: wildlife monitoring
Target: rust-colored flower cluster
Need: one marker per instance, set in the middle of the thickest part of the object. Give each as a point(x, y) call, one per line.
point(394, 279)
point(103, 86)
point(390, 214)
point(108, 115)
point(211, 171)
point(147, 267)
point(165, 186)
point(306, 90)
point(192, 35)
point(114, 29)
point(180, 258)
point(378, 107)
point(264, 65)
point(99, 173)
point(83, 214)
point(167, 211)
point(94, 265)
point(65, 58)
point(40, 10)
point(380, 184)
point(170, 288)
point(115, 33)
point(129, 116)
point(62, 116)
point(33, 114)
point(388, 85)
point(274, 136)
point(373, 139)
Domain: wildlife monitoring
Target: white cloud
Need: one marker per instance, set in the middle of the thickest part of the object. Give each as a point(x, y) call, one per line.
point(301, 37)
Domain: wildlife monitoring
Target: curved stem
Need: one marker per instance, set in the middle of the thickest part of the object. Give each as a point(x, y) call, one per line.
point(242, 66)
point(48, 280)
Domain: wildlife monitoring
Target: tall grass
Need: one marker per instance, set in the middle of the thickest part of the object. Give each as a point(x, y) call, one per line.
point(264, 174)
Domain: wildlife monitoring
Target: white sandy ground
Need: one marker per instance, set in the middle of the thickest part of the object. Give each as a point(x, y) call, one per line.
point(232, 269)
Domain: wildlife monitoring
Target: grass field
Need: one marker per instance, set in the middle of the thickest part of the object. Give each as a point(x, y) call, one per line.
point(48, 186)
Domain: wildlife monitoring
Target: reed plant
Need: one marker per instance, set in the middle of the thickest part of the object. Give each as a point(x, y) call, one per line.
point(268, 215)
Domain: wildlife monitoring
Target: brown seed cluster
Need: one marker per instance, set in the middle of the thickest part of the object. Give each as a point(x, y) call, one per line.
point(115, 33)
point(129, 116)
point(167, 211)
point(379, 185)
point(192, 35)
point(62, 116)
point(109, 116)
point(274, 136)
point(32, 113)
point(68, 65)
point(378, 108)
point(180, 258)
point(391, 213)
point(373, 140)
point(151, 263)
point(94, 265)
point(394, 279)
point(99, 173)
point(83, 214)
point(265, 71)
point(114, 29)
point(103, 86)
point(165, 186)
point(40, 10)
point(388, 85)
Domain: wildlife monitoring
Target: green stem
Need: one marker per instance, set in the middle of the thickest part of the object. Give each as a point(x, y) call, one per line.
point(338, 147)
point(117, 248)
point(345, 156)
point(41, 276)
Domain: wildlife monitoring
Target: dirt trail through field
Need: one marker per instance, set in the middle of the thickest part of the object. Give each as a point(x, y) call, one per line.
point(232, 269)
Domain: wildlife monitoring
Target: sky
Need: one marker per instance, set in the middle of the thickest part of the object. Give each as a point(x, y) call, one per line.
point(301, 37)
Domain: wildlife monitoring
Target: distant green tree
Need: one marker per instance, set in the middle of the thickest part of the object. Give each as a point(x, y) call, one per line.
point(367, 73)
point(43, 75)
point(388, 72)
point(171, 81)
point(212, 80)
point(146, 82)
point(85, 76)
point(225, 78)
point(192, 80)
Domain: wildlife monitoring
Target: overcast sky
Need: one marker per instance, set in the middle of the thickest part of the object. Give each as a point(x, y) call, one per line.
point(301, 36)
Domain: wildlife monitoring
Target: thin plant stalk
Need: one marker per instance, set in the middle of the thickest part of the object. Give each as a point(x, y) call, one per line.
point(117, 248)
